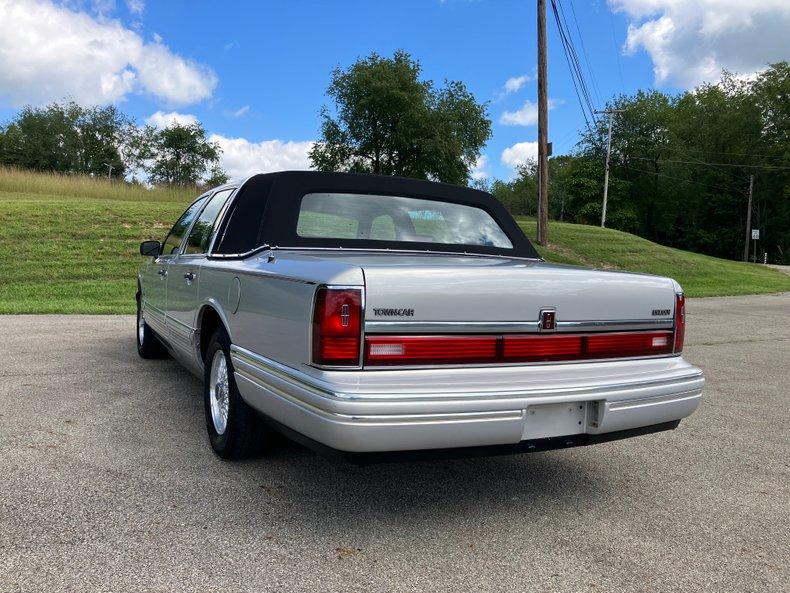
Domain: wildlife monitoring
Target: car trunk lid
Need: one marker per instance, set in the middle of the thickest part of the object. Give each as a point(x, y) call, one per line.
point(460, 292)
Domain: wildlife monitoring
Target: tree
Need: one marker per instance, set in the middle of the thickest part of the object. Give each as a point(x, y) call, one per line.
point(681, 165)
point(66, 137)
point(216, 176)
point(176, 155)
point(389, 122)
point(519, 195)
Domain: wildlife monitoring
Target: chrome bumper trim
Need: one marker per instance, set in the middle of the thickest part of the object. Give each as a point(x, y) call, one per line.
point(260, 364)
point(444, 327)
point(383, 418)
point(401, 417)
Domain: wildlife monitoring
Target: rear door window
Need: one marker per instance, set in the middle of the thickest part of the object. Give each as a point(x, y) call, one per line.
point(200, 235)
point(176, 234)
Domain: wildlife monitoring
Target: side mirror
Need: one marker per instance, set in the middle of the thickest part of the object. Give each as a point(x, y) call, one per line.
point(151, 248)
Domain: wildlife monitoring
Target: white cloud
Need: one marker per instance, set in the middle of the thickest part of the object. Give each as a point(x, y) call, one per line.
point(48, 52)
point(526, 116)
point(690, 42)
point(480, 168)
point(241, 158)
point(514, 84)
point(519, 154)
point(136, 7)
point(162, 120)
point(240, 112)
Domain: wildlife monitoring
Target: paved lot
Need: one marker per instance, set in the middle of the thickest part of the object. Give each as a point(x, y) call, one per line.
point(108, 483)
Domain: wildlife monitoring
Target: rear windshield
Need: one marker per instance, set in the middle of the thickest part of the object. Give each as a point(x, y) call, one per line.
point(395, 218)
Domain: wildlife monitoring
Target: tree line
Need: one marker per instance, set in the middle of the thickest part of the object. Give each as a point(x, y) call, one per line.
point(65, 137)
point(680, 168)
point(680, 163)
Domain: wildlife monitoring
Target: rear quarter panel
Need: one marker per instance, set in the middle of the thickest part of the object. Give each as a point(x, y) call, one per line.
point(275, 304)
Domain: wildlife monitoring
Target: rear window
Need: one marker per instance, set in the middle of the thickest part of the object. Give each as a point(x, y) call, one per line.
point(397, 218)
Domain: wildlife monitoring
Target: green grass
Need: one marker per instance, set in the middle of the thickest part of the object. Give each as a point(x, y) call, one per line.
point(70, 245)
point(700, 275)
point(30, 183)
point(70, 255)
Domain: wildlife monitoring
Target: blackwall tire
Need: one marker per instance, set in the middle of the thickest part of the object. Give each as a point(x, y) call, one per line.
point(148, 345)
point(235, 431)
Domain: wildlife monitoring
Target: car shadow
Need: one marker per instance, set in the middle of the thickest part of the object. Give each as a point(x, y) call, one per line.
point(326, 492)
point(427, 491)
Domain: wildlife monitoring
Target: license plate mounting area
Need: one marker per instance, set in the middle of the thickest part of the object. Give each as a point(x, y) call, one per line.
point(554, 420)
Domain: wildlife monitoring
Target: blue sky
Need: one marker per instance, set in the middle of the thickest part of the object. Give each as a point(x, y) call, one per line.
point(254, 73)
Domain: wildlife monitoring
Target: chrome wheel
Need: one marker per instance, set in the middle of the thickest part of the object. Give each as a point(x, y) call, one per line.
point(219, 392)
point(140, 328)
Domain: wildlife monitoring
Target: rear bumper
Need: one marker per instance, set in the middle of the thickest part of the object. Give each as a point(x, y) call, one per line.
point(410, 410)
point(526, 446)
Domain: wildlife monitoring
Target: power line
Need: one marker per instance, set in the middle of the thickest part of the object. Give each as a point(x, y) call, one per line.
point(763, 166)
point(768, 156)
point(719, 187)
point(584, 53)
point(577, 76)
point(565, 30)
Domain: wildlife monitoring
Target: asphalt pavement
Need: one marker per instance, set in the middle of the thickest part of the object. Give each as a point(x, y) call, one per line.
point(109, 484)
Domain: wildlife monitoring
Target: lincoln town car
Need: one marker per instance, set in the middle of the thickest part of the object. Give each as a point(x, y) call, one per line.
point(374, 317)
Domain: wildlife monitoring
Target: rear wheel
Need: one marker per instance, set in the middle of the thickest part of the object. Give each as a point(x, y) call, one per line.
point(234, 429)
point(148, 345)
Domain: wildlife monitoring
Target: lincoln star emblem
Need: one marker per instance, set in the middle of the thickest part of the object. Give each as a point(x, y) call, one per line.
point(548, 320)
point(344, 316)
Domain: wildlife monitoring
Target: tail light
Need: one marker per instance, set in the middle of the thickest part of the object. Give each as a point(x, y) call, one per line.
point(538, 348)
point(623, 344)
point(680, 322)
point(337, 324)
point(384, 350)
point(416, 350)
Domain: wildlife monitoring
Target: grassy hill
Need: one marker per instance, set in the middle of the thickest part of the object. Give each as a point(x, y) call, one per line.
point(70, 245)
point(700, 275)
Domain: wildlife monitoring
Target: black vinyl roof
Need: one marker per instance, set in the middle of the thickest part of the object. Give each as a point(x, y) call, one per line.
point(283, 192)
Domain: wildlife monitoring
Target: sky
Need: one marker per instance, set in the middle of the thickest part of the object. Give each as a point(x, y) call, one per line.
point(255, 73)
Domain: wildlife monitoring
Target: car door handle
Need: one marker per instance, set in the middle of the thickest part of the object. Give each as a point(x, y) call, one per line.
point(162, 272)
point(189, 276)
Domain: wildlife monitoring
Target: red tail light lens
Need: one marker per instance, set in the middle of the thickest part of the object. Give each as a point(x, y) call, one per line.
point(337, 326)
point(680, 322)
point(415, 350)
point(629, 344)
point(383, 350)
point(537, 348)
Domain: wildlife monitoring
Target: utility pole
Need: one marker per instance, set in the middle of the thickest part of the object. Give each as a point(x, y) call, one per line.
point(543, 132)
point(610, 113)
point(748, 220)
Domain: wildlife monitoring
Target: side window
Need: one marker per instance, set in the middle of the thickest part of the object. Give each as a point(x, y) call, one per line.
point(200, 235)
point(173, 240)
